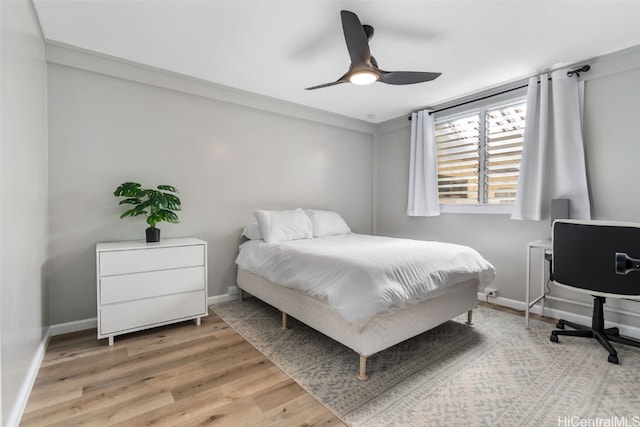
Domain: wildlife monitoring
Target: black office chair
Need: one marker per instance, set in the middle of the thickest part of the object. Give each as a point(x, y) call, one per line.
point(602, 259)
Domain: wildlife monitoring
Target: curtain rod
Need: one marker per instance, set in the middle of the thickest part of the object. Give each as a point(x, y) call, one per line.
point(577, 71)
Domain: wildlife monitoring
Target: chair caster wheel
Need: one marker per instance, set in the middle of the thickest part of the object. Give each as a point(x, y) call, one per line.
point(613, 359)
point(560, 325)
point(553, 338)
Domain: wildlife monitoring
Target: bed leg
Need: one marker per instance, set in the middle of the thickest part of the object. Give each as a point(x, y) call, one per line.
point(240, 295)
point(362, 373)
point(284, 321)
point(469, 317)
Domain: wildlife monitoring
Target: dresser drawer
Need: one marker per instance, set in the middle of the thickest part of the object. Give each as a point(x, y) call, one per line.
point(126, 287)
point(136, 261)
point(129, 315)
point(143, 285)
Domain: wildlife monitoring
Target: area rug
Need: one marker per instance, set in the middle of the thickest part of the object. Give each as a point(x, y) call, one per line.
point(494, 373)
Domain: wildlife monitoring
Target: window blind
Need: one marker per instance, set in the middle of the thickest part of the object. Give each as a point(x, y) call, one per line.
point(457, 148)
point(479, 155)
point(504, 130)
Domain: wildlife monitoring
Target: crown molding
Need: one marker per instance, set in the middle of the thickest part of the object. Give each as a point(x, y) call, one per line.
point(82, 59)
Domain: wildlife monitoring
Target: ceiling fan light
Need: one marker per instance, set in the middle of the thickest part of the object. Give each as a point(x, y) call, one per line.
point(363, 77)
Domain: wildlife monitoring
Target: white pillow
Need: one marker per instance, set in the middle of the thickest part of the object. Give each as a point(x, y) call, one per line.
point(252, 232)
point(280, 226)
point(327, 223)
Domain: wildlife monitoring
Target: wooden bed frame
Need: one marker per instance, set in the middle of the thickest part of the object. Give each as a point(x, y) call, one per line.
point(378, 333)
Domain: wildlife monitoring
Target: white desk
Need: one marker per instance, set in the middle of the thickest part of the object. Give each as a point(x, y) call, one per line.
point(545, 245)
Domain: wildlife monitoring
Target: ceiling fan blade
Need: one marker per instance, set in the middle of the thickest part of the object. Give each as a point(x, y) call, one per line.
point(406, 77)
point(355, 37)
point(364, 67)
point(325, 85)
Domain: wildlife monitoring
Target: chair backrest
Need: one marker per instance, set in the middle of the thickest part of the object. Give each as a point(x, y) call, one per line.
point(584, 255)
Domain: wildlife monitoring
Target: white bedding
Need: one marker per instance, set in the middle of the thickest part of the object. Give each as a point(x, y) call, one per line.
point(361, 276)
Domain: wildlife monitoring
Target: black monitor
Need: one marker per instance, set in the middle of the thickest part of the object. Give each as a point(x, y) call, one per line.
point(597, 255)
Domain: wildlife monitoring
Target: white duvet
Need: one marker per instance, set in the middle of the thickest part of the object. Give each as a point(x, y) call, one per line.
point(361, 276)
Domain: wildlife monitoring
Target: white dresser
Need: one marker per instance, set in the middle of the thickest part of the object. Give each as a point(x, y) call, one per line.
point(142, 285)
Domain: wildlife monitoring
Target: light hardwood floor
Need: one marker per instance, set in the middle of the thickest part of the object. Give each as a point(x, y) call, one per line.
point(175, 375)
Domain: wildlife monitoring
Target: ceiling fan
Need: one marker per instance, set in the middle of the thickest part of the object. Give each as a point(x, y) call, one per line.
point(364, 67)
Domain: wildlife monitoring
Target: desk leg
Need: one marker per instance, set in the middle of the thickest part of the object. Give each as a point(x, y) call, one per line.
point(543, 268)
point(527, 288)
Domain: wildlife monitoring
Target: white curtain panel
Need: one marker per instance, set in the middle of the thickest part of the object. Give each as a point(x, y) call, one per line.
point(553, 163)
point(423, 169)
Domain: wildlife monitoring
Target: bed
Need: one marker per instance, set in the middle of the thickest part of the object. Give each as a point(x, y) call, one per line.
point(366, 292)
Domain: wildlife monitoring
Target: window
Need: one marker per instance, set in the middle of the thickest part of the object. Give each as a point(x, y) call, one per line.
point(479, 153)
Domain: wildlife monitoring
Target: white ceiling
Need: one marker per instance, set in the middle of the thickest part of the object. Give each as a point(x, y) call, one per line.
point(277, 48)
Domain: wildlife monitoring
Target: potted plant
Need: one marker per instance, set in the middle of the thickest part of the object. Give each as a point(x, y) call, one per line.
point(157, 204)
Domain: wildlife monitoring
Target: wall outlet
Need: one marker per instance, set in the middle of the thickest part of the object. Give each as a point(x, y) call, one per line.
point(491, 292)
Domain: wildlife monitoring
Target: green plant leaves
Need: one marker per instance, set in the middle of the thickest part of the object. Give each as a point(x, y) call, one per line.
point(130, 201)
point(168, 188)
point(157, 205)
point(133, 212)
point(154, 218)
point(170, 217)
point(128, 189)
point(173, 202)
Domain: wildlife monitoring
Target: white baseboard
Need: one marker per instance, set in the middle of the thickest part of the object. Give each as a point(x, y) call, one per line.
point(627, 330)
point(92, 323)
point(631, 331)
point(15, 415)
point(222, 298)
point(78, 325)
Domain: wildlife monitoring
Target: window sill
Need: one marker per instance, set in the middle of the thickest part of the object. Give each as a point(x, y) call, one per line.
point(478, 209)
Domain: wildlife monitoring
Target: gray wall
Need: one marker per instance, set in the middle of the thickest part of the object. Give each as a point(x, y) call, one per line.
point(611, 117)
point(226, 159)
point(23, 203)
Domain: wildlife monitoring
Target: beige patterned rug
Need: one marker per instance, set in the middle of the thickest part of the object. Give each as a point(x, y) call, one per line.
point(495, 373)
